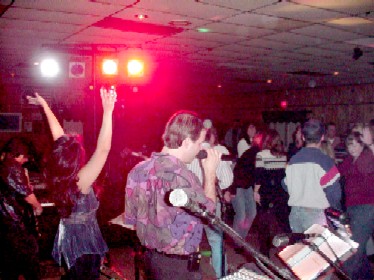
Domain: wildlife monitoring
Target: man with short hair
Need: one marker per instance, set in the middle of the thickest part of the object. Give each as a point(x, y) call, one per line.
point(331, 135)
point(312, 181)
point(170, 235)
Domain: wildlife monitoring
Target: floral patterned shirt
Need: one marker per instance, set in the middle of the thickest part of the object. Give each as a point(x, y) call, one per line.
point(159, 225)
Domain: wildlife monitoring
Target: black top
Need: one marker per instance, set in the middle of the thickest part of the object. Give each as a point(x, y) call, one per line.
point(292, 150)
point(14, 188)
point(269, 172)
point(244, 170)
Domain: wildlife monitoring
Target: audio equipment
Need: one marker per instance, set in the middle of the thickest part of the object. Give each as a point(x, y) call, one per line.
point(244, 274)
point(315, 256)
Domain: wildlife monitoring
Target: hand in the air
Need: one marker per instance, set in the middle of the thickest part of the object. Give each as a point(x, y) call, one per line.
point(36, 100)
point(108, 98)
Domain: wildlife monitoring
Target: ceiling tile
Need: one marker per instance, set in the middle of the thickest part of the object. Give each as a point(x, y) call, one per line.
point(295, 39)
point(159, 17)
point(38, 26)
point(197, 10)
point(240, 5)
point(50, 16)
point(238, 30)
point(352, 7)
point(320, 31)
point(76, 7)
point(299, 12)
point(265, 21)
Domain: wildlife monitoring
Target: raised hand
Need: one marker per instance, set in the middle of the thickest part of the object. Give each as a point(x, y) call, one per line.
point(37, 100)
point(108, 98)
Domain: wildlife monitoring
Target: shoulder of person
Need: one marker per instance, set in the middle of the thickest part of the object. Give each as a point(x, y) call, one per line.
point(222, 149)
point(367, 157)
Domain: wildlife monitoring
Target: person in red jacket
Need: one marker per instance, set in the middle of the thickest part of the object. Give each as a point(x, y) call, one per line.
point(358, 171)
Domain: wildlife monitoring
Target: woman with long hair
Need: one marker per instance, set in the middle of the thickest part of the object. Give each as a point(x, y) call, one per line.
point(243, 203)
point(271, 199)
point(297, 142)
point(358, 171)
point(245, 142)
point(78, 240)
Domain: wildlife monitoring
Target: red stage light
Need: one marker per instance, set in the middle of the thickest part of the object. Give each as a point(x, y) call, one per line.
point(284, 104)
point(135, 68)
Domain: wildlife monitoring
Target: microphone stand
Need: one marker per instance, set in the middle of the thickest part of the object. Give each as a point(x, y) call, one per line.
point(212, 219)
point(223, 217)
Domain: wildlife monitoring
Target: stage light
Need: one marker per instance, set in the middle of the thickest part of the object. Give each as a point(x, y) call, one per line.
point(135, 68)
point(284, 104)
point(49, 68)
point(141, 16)
point(110, 67)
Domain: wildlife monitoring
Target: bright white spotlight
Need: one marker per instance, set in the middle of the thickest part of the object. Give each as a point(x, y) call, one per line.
point(49, 68)
point(110, 67)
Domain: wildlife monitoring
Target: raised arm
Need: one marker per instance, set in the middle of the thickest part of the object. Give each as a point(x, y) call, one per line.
point(54, 125)
point(88, 174)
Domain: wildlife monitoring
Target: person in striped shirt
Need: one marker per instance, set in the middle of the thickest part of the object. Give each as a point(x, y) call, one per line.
point(225, 177)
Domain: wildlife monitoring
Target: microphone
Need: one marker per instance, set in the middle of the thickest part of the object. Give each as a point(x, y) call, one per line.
point(340, 223)
point(203, 154)
point(179, 198)
point(292, 238)
point(336, 215)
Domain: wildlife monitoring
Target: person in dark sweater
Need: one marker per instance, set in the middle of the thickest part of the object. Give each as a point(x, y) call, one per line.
point(242, 188)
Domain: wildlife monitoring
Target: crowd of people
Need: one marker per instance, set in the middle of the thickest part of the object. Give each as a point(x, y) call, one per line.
point(287, 190)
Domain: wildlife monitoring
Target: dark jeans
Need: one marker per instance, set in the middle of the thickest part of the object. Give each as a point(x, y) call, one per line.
point(86, 267)
point(161, 267)
point(19, 254)
point(362, 226)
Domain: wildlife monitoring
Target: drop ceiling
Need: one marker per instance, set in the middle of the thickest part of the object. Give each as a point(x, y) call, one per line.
point(295, 44)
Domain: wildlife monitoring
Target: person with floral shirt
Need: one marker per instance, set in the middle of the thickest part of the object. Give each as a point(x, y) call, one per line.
point(171, 235)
